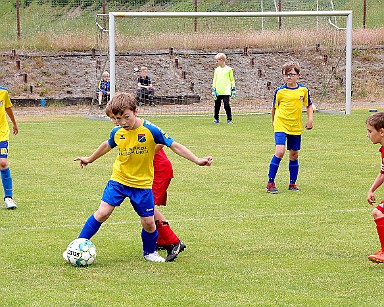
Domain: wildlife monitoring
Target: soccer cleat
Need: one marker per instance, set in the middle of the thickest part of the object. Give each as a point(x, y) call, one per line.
point(154, 257)
point(229, 122)
point(216, 121)
point(293, 187)
point(174, 251)
point(271, 188)
point(377, 257)
point(9, 203)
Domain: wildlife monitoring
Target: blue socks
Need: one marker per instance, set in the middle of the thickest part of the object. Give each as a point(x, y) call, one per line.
point(273, 168)
point(90, 227)
point(149, 241)
point(293, 171)
point(6, 178)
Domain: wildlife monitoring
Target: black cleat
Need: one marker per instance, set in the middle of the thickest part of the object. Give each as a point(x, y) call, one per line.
point(174, 251)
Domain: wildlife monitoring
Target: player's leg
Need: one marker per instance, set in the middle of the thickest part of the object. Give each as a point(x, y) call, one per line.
point(378, 216)
point(113, 196)
point(217, 109)
point(100, 98)
point(143, 203)
point(227, 108)
point(6, 177)
point(280, 139)
point(94, 222)
point(293, 145)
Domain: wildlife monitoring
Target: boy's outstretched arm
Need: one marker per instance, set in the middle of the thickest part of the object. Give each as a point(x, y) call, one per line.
point(184, 152)
point(101, 151)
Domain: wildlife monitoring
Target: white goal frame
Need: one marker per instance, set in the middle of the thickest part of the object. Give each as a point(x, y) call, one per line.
point(347, 14)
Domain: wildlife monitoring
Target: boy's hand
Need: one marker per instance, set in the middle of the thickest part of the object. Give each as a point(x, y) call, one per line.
point(83, 161)
point(371, 198)
point(309, 125)
point(214, 93)
point(233, 92)
point(207, 161)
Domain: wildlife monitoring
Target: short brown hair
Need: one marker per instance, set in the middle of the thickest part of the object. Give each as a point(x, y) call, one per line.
point(376, 120)
point(120, 102)
point(289, 65)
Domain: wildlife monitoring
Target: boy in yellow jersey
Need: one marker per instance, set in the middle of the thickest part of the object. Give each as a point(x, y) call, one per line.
point(6, 108)
point(133, 172)
point(287, 124)
point(223, 87)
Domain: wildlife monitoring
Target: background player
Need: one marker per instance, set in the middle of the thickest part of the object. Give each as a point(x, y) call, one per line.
point(6, 178)
point(287, 123)
point(223, 87)
point(375, 131)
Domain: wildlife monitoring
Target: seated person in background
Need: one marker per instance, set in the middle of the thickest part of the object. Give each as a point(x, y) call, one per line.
point(145, 90)
point(103, 89)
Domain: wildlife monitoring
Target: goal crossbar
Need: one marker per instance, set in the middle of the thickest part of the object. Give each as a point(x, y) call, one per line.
point(347, 14)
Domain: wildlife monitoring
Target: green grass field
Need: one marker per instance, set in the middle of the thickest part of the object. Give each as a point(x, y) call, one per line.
point(244, 247)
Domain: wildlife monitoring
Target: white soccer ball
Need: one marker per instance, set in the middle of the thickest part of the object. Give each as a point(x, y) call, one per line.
point(80, 252)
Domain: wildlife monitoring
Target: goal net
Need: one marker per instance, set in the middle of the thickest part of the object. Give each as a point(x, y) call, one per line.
point(179, 48)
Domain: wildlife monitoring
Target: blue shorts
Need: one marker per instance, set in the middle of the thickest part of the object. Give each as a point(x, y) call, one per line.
point(293, 141)
point(4, 149)
point(141, 199)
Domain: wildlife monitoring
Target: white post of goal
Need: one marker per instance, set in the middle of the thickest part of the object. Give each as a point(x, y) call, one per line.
point(348, 14)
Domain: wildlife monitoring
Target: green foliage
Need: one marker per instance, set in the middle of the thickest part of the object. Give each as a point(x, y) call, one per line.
point(244, 247)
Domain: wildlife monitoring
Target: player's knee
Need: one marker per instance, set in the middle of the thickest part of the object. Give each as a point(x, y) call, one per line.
point(3, 163)
point(376, 213)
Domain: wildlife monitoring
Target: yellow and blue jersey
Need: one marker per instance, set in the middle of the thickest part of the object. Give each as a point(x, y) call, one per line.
point(223, 80)
point(133, 166)
point(5, 102)
point(288, 103)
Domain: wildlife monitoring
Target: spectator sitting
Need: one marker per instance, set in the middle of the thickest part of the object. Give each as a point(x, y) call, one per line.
point(145, 90)
point(103, 90)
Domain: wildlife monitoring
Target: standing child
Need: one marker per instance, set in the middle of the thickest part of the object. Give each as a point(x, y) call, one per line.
point(132, 174)
point(287, 124)
point(223, 87)
point(6, 108)
point(375, 130)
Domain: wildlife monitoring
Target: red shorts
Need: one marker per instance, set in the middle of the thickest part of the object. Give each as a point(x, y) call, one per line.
point(159, 189)
point(380, 206)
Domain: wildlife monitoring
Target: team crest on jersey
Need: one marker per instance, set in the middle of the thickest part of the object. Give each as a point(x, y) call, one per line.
point(141, 138)
point(301, 98)
point(1, 103)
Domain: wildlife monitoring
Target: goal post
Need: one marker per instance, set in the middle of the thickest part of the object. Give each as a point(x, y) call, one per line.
point(348, 49)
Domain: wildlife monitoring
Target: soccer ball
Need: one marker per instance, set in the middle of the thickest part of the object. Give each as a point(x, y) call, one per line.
point(80, 252)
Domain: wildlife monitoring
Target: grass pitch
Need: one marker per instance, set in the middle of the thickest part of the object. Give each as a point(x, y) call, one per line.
point(244, 247)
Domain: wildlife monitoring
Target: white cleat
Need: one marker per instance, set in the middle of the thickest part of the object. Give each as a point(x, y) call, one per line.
point(154, 257)
point(9, 203)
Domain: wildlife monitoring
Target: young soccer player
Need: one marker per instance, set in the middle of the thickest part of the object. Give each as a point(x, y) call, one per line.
point(163, 174)
point(103, 89)
point(223, 87)
point(375, 131)
point(6, 178)
point(145, 90)
point(132, 174)
point(287, 124)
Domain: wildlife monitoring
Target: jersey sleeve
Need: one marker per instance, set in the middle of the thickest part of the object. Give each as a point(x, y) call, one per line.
point(111, 140)
point(159, 136)
point(232, 78)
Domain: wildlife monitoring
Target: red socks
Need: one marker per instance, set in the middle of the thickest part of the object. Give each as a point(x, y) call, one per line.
point(380, 230)
point(166, 235)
